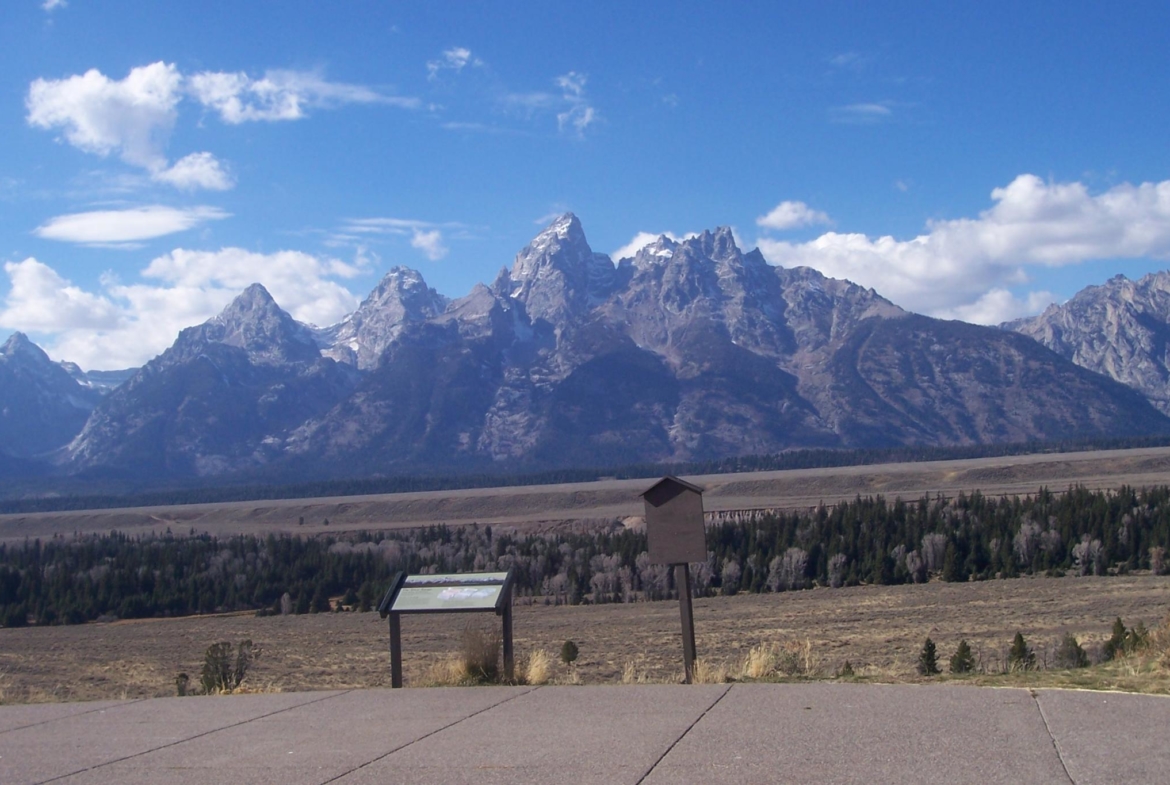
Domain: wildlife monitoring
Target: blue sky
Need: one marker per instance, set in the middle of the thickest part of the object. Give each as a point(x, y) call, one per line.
point(971, 161)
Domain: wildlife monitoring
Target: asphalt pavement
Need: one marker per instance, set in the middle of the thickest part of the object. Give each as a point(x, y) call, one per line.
point(741, 733)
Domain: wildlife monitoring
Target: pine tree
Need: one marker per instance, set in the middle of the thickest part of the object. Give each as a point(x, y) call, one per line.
point(1070, 654)
point(1021, 658)
point(1115, 646)
point(962, 661)
point(928, 659)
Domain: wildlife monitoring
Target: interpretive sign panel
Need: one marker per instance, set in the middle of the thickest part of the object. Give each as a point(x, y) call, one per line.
point(461, 592)
point(473, 592)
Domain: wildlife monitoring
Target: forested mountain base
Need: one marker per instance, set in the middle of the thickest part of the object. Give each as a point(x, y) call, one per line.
point(868, 540)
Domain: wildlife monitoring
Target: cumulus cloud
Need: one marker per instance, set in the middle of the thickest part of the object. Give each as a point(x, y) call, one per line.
point(792, 215)
point(962, 268)
point(430, 243)
point(126, 226)
point(642, 239)
point(40, 300)
point(279, 95)
point(132, 117)
point(195, 171)
point(125, 324)
point(454, 59)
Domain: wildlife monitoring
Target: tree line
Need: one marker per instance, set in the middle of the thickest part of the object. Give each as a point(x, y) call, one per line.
point(867, 540)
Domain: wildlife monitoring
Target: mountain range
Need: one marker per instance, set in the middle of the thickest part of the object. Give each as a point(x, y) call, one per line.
point(689, 350)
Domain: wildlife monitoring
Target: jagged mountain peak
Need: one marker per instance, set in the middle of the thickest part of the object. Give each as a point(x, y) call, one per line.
point(557, 276)
point(1120, 328)
point(255, 323)
point(19, 345)
point(401, 298)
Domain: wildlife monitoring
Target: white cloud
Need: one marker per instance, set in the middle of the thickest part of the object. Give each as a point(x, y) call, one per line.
point(430, 243)
point(197, 170)
point(955, 268)
point(578, 114)
point(999, 305)
point(40, 300)
point(279, 95)
point(792, 215)
point(126, 226)
point(861, 114)
point(642, 239)
point(53, 5)
point(123, 325)
point(132, 117)
point(454, 59)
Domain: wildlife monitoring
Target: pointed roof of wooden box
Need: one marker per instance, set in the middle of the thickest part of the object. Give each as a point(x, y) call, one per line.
point(671, 479)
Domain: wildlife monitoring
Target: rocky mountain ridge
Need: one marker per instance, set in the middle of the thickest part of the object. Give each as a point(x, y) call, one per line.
point(41, 405)
point(690, 350)
point(1120, 329)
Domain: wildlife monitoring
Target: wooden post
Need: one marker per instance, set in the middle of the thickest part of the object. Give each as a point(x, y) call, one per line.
point(395, 651)
point(509, 657)
point(682, 580)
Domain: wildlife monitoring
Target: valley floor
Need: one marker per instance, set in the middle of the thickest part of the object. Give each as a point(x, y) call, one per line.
point(878, 629)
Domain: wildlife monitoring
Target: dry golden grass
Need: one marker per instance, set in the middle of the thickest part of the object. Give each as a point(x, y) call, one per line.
point(709, 672)
point(538, 667)
point(448, 671)
point(878, 629)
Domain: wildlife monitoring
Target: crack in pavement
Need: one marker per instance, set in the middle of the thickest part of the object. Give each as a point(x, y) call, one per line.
point(190, 738)
point(674, 743)
point(71, 716)
point(1047, 727)
point(401, 747)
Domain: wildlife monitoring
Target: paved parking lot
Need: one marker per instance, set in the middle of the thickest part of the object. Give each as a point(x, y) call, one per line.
point(749, 733)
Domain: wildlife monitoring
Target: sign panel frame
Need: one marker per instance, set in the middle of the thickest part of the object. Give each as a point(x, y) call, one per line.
point(472, 592)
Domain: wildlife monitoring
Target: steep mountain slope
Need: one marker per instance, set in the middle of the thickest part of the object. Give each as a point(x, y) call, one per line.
point(220, 399)
point(695, 350)
point(41, 406)
point(691, 349)
point(1120, 329)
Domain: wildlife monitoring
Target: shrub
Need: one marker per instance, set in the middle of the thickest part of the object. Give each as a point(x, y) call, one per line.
point(962, 661)
point(220, 673)
point(1021, 657)
point(1069, 653)
point(481, 655)
point(182, 684)
point(928, 659)
point(569, 652)
point(1124, 642)
point(846, 670)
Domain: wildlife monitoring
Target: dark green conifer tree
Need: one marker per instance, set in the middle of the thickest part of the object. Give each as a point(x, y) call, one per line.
point(962, 661)
point(1021, 657)
point(928, 659)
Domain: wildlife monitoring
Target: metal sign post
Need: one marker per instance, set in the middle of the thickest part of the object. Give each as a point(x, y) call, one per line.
point(473, 592)
point(676, 536)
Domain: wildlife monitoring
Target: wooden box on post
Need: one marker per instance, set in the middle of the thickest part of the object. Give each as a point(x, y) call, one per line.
point(676, 535)
point(674, 522)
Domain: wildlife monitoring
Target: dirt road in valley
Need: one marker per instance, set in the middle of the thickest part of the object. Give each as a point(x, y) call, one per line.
point(608, 499)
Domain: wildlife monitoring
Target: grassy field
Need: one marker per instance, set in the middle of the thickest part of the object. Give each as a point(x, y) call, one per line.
point(553, 505)
point(878, 629)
